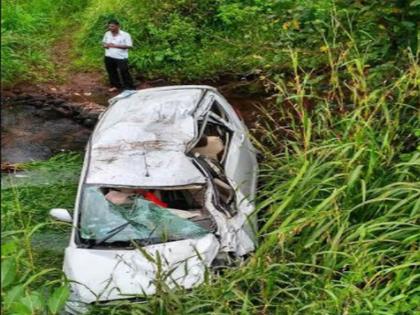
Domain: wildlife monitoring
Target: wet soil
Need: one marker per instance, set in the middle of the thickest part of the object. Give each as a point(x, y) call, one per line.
point(31, 133)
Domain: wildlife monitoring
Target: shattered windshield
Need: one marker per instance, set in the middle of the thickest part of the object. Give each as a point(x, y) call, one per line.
point(134, 218)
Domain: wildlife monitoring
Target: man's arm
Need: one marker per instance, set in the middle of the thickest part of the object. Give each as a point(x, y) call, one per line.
point(128, 43)
point(117, 46)
point(104, 41)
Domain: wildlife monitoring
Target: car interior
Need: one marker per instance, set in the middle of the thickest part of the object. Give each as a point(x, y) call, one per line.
point(214, 136)
point(184, 203)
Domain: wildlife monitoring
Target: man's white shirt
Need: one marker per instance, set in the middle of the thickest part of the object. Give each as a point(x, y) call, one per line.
point(122, 38)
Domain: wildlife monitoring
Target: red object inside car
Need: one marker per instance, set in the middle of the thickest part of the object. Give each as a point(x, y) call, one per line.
point(148, 195)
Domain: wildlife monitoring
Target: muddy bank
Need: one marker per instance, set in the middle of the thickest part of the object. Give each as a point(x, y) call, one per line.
point(35, 127)
point(30, 133)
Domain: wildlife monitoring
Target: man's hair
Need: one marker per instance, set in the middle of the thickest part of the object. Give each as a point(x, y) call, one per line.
point(115, 22)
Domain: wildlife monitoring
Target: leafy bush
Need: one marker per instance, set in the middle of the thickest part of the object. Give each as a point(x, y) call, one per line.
point(184, 40)
point(28, 29)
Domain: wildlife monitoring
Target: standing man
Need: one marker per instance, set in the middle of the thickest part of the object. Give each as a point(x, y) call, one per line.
point(116, 43)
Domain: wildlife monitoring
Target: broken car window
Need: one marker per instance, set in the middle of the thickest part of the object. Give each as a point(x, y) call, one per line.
point(217, 109)
point(103, 211)
point(214, 142)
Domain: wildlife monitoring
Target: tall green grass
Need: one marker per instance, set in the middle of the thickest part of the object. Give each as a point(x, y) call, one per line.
point(31, 278)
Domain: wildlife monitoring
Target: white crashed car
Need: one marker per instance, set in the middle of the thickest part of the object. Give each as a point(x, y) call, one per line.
point(166, 192)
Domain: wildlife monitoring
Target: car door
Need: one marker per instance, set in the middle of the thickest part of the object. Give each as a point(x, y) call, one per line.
point(240, 163)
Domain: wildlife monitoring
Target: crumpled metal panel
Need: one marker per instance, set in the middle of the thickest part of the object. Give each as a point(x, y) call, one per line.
point(141, 140)
point(232, 231)
point(129, 272)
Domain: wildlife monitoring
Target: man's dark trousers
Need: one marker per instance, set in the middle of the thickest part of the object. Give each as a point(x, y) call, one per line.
point(115, 67)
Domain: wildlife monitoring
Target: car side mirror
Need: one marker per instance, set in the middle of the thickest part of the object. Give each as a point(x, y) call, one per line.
point(61, 215)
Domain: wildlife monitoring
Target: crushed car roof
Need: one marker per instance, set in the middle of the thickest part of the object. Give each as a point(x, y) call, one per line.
point(141, 139)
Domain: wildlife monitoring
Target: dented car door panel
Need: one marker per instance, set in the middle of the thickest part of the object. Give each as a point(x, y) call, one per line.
point(241, 163)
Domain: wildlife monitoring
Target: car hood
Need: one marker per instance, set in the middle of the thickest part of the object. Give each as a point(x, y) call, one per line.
point(110, 274)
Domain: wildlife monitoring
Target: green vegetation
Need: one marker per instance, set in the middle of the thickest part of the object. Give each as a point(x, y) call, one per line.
point(339, 202)
point(186, 39)
point(196, 40)
point(28, 32)
point(31, 278)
